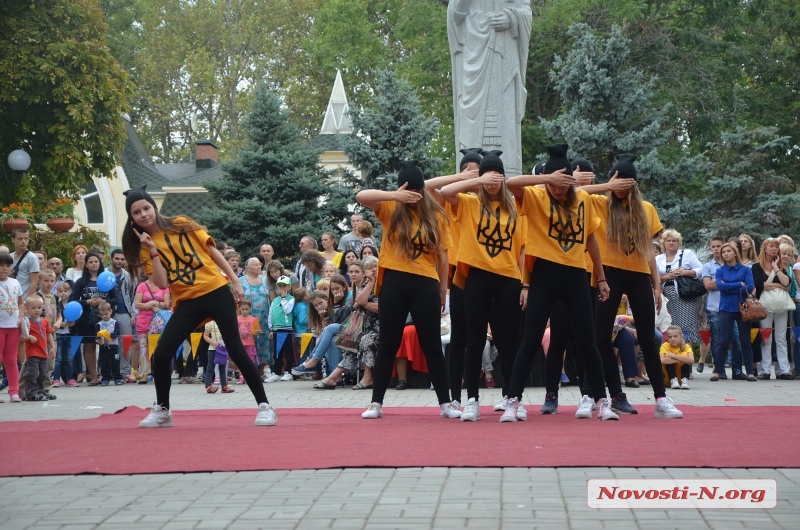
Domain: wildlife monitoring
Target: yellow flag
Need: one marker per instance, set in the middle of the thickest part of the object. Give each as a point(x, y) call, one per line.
point(753, 334)
point(152, 340)
point(195, 340)
point(305, 340)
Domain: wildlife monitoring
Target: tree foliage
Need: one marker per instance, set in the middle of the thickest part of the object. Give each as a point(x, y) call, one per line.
point(274, 191)
point(61, 96)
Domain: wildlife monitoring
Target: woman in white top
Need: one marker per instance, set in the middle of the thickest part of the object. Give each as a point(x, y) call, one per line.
point(675, 262)
point(78, 258)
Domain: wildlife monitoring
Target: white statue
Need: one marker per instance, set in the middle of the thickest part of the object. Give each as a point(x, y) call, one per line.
point(489, 42)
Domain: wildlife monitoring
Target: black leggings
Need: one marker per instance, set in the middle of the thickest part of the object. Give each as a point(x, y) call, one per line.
point(458, 341)
point(217, 305)
point(550, 282)
point(640, 297)
point(481, 290)
point(403, 293)
point(562, 338)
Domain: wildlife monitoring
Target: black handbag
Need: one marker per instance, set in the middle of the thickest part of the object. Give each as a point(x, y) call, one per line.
point(689, 288)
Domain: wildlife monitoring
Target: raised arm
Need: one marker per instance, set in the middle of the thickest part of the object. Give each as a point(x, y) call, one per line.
point(615, 184)
point(517, 185)
point(372, 199)
point(439, 182)
point(450, 192)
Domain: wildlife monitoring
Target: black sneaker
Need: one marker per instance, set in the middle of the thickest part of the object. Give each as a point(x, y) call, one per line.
point(764, 377)
point(550, 404)
point(700, 368)
point(620, 405)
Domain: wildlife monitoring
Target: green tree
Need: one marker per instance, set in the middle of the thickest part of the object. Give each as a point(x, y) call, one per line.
point(275, 191)
point(607, 110)
point(61, 97)
point(748, 189)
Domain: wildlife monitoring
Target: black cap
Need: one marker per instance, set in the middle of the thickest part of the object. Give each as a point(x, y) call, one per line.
point(410, 173)
point(491, 162)
point(624, 166)
point(473, 154)
point(131, 196)
point(558, 159)
point(584, 164)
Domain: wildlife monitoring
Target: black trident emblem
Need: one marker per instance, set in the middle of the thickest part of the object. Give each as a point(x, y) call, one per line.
point(187, 262)
point(565, 232)
point(494, 239)
point(418, 246)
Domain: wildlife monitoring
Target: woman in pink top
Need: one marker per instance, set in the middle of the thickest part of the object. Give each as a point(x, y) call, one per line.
point(149, 299)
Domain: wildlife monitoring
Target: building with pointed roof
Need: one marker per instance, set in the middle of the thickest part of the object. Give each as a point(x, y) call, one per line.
point(336, 123)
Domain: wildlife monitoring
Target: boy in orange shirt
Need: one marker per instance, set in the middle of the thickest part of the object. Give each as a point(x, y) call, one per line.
point(38, 342)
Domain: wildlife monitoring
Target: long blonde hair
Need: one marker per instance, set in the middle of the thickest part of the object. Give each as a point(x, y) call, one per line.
point(315, 320)
point(750, 255)
point(762, 255)
point(506, 199)
point(632, 220)
point(428, 213)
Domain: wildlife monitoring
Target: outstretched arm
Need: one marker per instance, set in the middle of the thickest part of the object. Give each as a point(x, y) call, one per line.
point(517, 185)
point(372, 199)
point(450, 193)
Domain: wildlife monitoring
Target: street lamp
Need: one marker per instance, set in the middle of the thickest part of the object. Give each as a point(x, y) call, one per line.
point(19, 161)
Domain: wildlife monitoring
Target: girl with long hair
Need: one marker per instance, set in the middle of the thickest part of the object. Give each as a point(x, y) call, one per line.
point(85, 292)
point(561, 222)
point(749, 255)
point(628, 224)
point(79, 260)
point(769, 264)
point(329, 251)
point(179, 253)
point(412, 278)
point(491, 239)
point(734, 281)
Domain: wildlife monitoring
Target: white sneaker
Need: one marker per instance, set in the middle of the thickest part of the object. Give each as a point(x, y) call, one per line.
point(666, 409)
point(158, 417)
point(501, 405)
point(448, 410)
point(510, 413)
point(673, 383)
point(287, 377)
point(472, 410)
point(685, 384)
point(584, 408)
point(266, 415)
point(604, 412)
point(274, 378)
point(522, 414)
point(373, 411)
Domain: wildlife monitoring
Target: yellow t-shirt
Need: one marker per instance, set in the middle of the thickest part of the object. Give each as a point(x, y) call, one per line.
point(423, 258)
point(337, 259)
point(630, 261)
point(489, 242)
point(548, 236)
point(666, 348)
point(455, 234)
point(190, 270)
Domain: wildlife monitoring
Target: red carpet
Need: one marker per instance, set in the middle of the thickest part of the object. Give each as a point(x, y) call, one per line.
point(226, 440)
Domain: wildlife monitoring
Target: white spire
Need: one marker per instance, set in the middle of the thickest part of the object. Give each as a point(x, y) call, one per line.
point(336, 118)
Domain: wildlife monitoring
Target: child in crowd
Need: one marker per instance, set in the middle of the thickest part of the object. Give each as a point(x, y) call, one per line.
point(329, 270)
point(248, 329)
point(63, 367)
point(281, 330)
point(10, 307)
point(675, 351)
point(38, 337)
point(52, 312)
point(299, 319)
point(217, 357)
point(108, 340)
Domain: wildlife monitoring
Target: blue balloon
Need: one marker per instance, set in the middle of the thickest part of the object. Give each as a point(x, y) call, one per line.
point(106, 281)
point(73, 311)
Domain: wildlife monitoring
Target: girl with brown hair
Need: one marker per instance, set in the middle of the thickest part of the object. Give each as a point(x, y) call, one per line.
point(412, 278)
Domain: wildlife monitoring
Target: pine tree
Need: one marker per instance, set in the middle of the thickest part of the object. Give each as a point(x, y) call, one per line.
point(608, 109)
point(394, 130)
point(275, 191)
